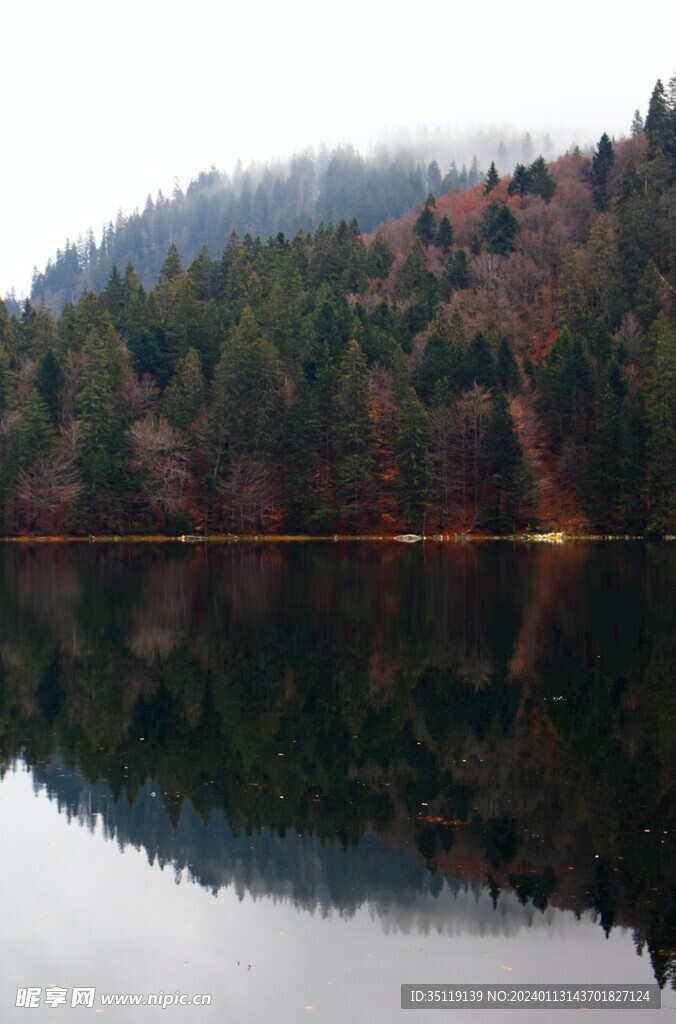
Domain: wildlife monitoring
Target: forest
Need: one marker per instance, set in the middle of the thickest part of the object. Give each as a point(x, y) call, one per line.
point(500, 358)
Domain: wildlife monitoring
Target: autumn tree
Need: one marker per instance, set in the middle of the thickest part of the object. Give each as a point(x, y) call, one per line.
point(160, 455)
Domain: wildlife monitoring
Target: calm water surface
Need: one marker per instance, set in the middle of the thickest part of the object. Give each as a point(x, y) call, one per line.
point(295, 777)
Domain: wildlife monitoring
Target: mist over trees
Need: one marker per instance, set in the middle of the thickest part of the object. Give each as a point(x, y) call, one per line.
point(264, 199)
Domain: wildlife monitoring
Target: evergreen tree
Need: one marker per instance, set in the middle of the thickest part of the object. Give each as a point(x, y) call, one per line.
point(434, 178)
point(425, 225)
point(442, 359)
point(203, 273)
point(508, 374)
point(648, 302)
point(456, 273)
point(509, 497)
point(640, 236)
point(542, 183)
point(444, 235)
point(48, 383)
point(113, 295)
point(414, 462)
point(637, 127)
point(602, 161)
point(492, 178)
point(35, 432)
point(248, 395)
point(522, 181)
point(413, 273)
point(499, 227)
point(657, 123)
point(601, 490)
point(567, 390)
point(380, 257)
point(185, 394)
point(605, 293)
point(479, 366)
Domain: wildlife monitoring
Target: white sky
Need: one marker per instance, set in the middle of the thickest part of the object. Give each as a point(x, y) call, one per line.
point(106, 103)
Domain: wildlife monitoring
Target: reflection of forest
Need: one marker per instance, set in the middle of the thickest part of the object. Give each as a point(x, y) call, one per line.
point(499, 715)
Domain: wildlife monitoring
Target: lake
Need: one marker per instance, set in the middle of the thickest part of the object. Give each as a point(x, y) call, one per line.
point(294, 777)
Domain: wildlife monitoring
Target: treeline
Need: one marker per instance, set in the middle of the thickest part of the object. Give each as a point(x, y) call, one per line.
point(263, 201)
point(297, 195)
point(500, 358)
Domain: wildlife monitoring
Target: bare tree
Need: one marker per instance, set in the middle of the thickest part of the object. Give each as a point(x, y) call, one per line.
point(161, 453)
point(248, 495)
point(51, 482)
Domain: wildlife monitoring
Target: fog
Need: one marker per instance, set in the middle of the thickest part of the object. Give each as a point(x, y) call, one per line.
point(104, 106)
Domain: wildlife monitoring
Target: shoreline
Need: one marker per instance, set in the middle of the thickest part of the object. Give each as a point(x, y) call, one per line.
point(229, 538)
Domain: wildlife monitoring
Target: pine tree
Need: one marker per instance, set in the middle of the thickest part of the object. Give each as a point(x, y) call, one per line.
point(522, 181)
point(605, 292)
point(657, 122)
point(637, 127)
point(648, 301)
point(48, 383)
point(185, 394)
point(35, 432)
point(456, 273)
point(602, 161)
point(434, 178)
point(379, 258)
point(499, 227)
point(414, 271)
point(248, 395)
point(509, 498)
point(507, 369)
point(542, 183)
point(479, 367)
point(444, 235)
point(425, 225)
point(492, 178)
point(567, 389)
point(414, 462)
point(442, 359)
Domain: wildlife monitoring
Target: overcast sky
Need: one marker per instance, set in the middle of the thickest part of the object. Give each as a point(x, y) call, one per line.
point(106, 103)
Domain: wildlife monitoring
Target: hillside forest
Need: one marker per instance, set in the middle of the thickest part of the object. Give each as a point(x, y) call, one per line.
point(499, 358)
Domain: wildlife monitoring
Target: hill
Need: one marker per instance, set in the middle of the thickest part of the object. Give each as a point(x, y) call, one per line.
point(500, 357)
point(287, 196)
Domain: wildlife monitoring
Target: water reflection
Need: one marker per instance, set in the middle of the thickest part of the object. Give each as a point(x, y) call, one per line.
point(461, 737)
